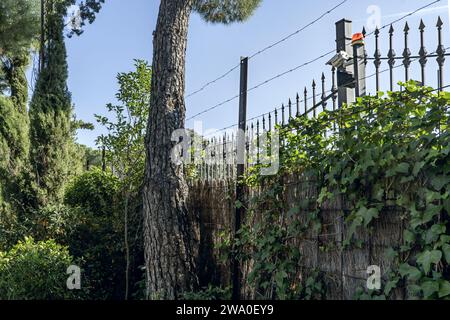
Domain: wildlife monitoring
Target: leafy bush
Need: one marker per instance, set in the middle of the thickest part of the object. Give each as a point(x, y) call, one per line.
point(14, 146)
point(57, 222)
point(52, 222)
point(35, 271)
point(97, 237)
point(94, 191)
point(125, 151)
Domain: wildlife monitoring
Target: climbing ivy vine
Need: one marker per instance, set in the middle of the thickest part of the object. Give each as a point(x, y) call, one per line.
point(383, 154)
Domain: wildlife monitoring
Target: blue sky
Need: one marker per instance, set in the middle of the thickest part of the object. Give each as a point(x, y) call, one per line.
point(123, 32)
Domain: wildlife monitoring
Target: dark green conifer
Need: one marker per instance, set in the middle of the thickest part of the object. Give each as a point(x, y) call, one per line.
point(51, 114)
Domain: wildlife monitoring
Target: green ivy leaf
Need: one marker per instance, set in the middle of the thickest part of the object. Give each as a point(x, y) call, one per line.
point(417, 167)
point(446, 204)
point(444, 289)
point(446, 251)
point(410, 272)
point(324, 195)
point(368, 215)
point(433, 234)
point(279, 278)
point(407, 179)
point(390, 254)
point(409, 237)
point(438, 182)
point(402, 168)
point(357, 222)
point(427, 258)
point(429, 288)
point(430, 213)
point(432, 196)
point(390, 285)
point(445, 95)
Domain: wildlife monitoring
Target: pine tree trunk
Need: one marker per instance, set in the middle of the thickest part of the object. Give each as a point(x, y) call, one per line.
point(169, 230)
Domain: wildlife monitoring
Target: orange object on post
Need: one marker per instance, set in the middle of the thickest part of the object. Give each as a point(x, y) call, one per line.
point(358, 38)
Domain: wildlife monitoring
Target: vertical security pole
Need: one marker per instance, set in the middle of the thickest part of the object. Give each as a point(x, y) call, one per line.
point(241, 148)
point(345, 96)
point(343, 43)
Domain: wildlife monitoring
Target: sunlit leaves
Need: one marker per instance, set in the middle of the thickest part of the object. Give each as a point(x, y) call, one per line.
point(390, 155)
point(19, 25)
point(126, 124)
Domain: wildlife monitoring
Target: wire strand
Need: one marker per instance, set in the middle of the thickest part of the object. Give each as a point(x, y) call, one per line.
point(305, 64)
point(296, 32)
point(318, 95)
point(404, 17)
point(262, 83)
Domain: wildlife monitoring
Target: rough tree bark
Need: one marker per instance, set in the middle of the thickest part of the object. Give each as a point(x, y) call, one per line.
point(169, 230)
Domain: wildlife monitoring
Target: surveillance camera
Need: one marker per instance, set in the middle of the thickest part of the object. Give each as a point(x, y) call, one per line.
point(339, 60)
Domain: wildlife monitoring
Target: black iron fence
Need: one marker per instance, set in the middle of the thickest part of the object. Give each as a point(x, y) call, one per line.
point(226, 154)
point(348, 80)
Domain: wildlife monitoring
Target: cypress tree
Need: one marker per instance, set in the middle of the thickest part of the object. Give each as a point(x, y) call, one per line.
point(14, 141)
point(14, 122)
point(51, 114)
point(19, 22)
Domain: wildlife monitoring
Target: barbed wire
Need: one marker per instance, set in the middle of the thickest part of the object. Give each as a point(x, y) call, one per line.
point(305, 64)
point(318, 95)
point(262, 83)
point(296, 32)
point(299, 30)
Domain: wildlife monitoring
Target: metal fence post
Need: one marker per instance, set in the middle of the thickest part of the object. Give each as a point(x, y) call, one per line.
point(345, 96)
point(240, 170)
point(343, 43)
point(441, 55)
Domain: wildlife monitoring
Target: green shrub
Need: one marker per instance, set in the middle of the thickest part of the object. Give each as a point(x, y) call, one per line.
point(97, 237)
point(56, 222)
point(94, 191)
point(14, 146)
point(35, 271)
